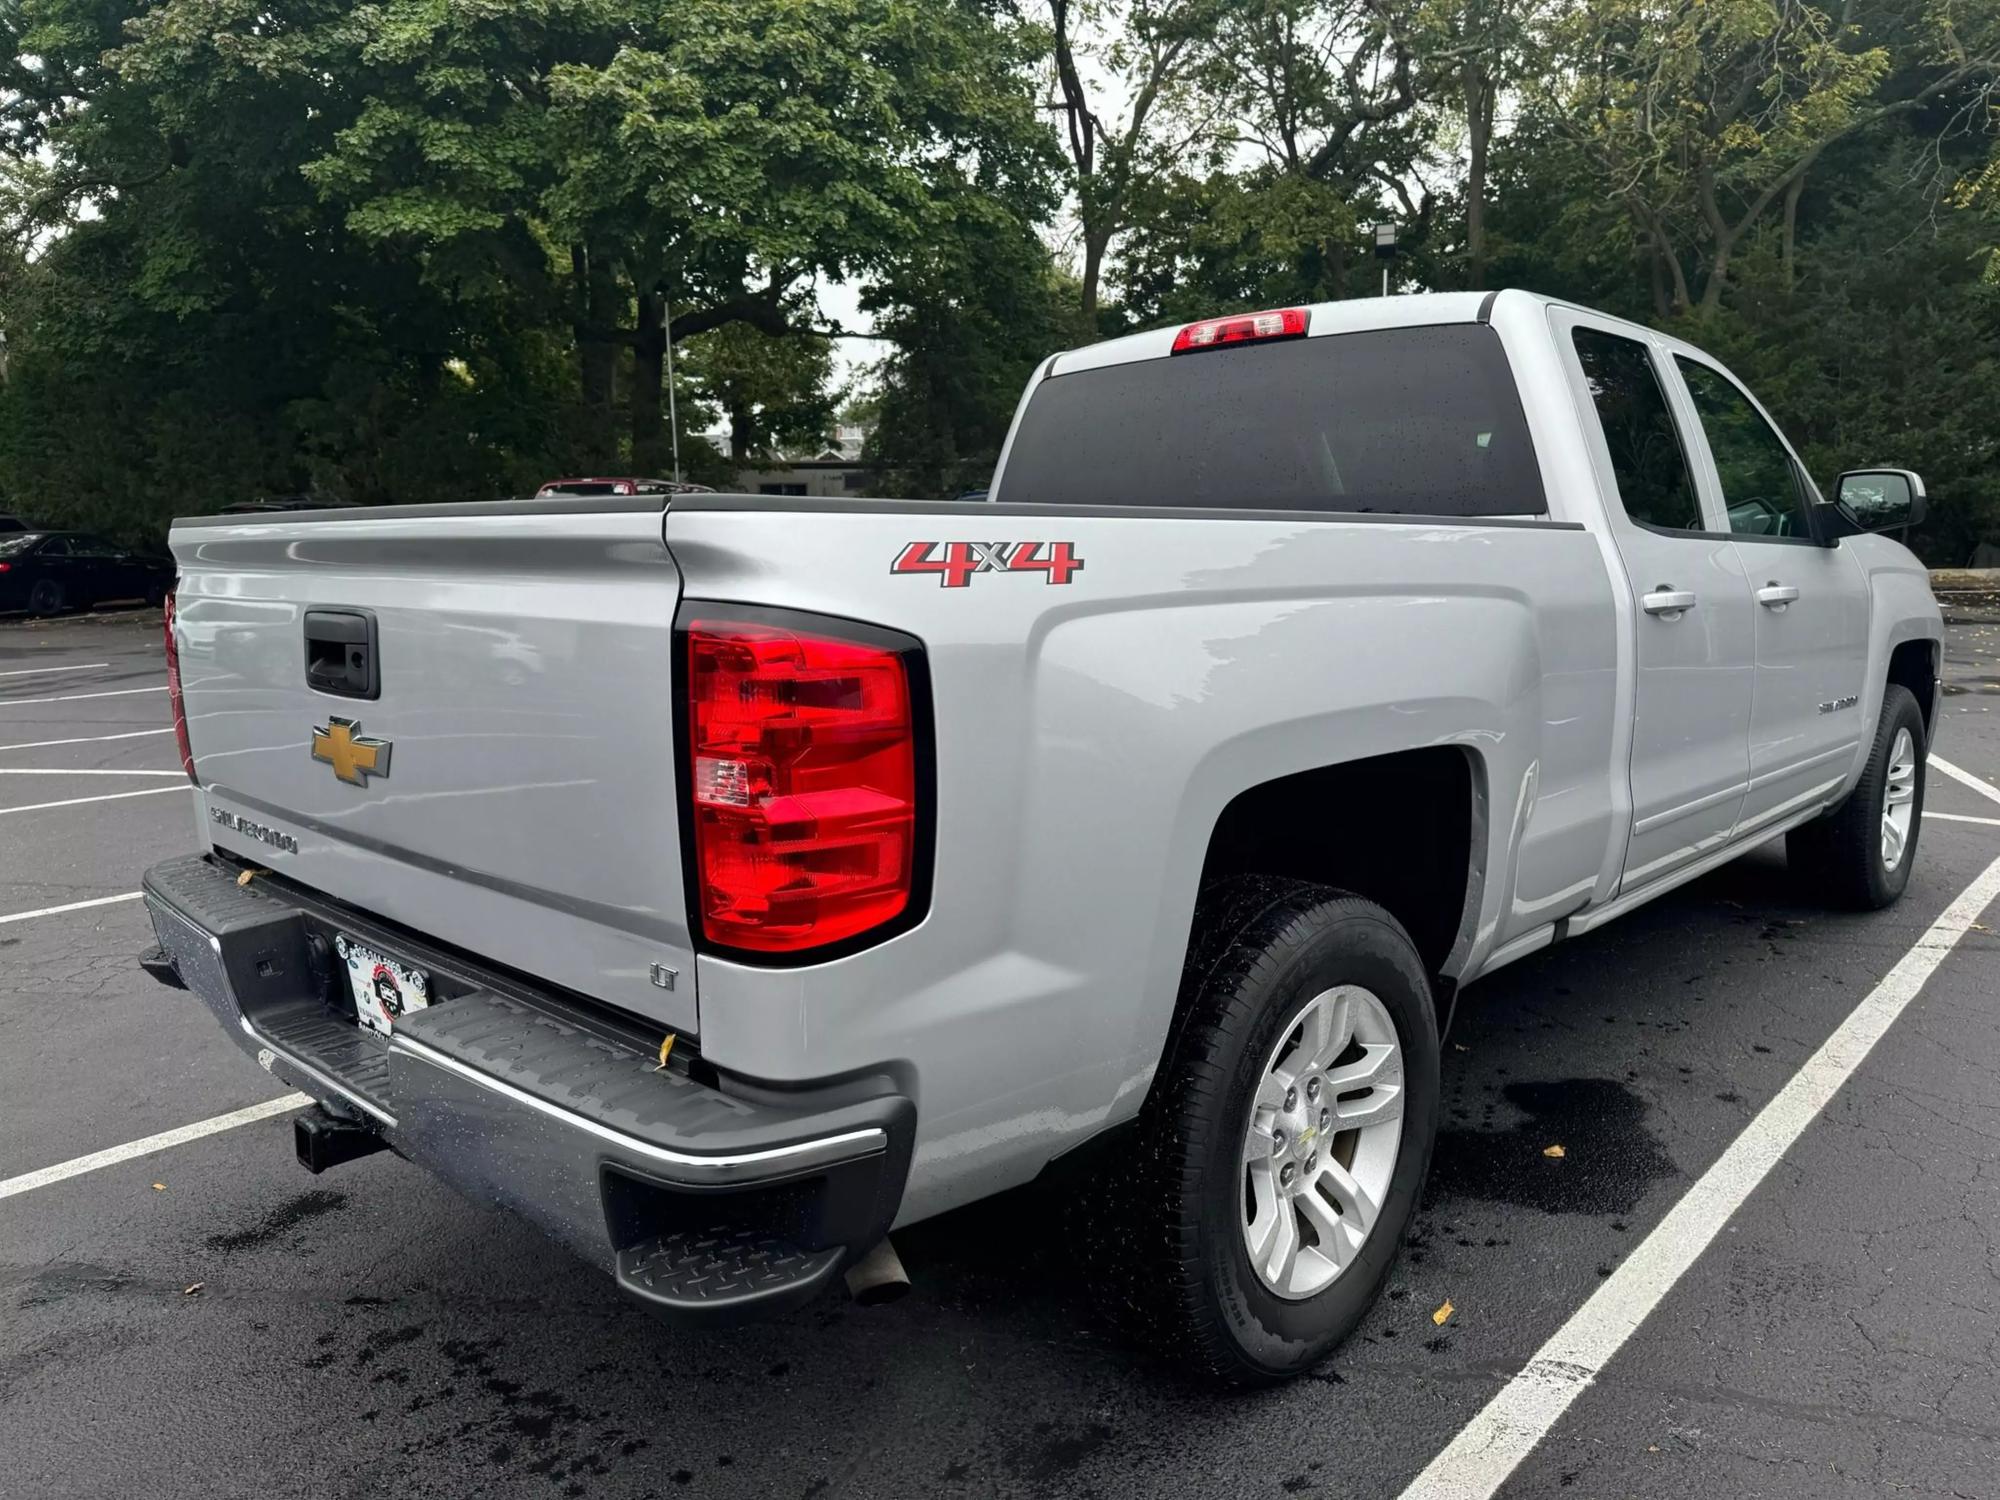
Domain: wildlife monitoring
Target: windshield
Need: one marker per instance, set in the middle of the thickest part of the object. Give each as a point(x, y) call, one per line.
point(16, 542)
point(1414, 421)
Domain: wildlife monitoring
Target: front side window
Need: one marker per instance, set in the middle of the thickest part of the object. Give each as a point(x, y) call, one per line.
point(1760, 484)
point(1647, 459)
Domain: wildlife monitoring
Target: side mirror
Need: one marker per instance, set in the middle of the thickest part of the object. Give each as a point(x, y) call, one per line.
point(1881, 499)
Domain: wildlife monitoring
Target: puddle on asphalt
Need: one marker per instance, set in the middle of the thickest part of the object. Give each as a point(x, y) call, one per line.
point(1609, 1157)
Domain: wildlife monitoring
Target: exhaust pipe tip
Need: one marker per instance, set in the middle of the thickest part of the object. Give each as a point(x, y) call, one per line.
point(878, 1277)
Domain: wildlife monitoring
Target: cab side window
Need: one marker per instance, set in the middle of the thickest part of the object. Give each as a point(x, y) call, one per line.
point(1647, 459)
point(1760, 484)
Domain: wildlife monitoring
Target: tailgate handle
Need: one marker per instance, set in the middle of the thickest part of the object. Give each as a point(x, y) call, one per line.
point(340, 653)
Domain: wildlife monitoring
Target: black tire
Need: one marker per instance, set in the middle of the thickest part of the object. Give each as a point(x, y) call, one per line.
point(1839, 855)
point(47, 598)
point(1183, 1278)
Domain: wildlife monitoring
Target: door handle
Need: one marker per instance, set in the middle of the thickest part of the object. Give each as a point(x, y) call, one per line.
point(1668, 604)
point(1775, 595)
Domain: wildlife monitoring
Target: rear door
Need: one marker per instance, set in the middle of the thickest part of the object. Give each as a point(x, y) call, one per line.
point(1811, 612)
point(1694, 648)
point(457, 719)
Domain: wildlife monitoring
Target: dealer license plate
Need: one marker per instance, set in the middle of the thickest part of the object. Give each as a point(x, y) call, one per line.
point(384, 988)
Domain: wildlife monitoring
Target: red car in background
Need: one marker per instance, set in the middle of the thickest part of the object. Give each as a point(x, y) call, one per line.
point(610, 486)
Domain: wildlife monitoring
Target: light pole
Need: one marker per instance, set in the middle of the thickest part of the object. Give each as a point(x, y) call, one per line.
point(673, 417)
point(1385, 249)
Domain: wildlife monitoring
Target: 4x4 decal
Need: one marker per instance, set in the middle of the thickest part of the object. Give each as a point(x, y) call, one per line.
point(956, 562)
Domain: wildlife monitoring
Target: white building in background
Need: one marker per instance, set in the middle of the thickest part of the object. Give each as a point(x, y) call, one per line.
point(833, 470)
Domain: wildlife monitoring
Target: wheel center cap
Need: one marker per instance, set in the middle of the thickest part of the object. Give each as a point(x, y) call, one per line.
point(1304, 1139)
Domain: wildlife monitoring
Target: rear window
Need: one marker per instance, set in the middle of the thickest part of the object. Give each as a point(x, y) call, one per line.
point(17, 542)
point(1408, 421)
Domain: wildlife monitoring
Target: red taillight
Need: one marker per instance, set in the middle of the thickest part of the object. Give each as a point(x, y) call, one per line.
point(803, 755)
point(1245, 328)
point(6, 567)
point(174, 695)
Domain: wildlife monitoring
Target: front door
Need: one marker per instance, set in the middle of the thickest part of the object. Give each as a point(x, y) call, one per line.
point(1811, 606)
point(1692, 652)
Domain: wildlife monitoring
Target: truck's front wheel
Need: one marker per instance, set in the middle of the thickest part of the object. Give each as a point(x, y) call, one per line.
point(1859, 855)
point(1287, 1139)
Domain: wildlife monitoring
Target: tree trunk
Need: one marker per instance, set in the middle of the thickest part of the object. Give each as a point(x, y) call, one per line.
point(742, 421)
point(1656, 267)
point(1479, 95)
point(1718, 275)
point(1095, 244)
point(650, 449)
point(1791, 225)
point(596, 357)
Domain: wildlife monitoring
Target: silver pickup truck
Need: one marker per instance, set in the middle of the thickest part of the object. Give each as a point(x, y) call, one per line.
point(722, 882)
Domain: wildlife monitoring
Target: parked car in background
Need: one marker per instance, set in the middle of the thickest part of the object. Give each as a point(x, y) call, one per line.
point(11, 523)
point(47, 572)
point(615, 486)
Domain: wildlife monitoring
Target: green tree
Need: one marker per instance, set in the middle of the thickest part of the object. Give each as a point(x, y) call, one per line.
point(607, 158)
point(774, 393)
point(1701, 117)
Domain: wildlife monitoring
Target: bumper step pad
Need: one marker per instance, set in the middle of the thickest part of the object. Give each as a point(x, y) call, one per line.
point(710, 1199)
point(718, 1271)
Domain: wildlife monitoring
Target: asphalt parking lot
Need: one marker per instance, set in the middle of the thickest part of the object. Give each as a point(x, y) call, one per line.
point(208, 1320)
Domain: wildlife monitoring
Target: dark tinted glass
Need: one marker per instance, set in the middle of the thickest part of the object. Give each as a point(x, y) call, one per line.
point(1759, 485)
point(1414, 421)
point(16, 542)
point(55, 546)
point(1646, 454)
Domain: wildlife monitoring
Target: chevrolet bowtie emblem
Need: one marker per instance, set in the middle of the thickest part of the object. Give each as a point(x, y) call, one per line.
point(353, 758)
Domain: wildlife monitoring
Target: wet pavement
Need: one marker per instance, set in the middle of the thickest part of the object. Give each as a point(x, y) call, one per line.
point(210, 1321)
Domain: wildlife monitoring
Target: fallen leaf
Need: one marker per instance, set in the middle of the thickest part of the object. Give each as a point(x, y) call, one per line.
point(1443, 1313)
point(159, 1187)
point(192, 1288)
point(1555, 1151)
point(666, 1051)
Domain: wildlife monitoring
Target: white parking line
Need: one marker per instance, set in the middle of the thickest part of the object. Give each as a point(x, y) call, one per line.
point(1959, 818)
point(76, 771)
point(79, 697)
point(1488, 1450)
point(89, 666)
point(89, 739)
point(113, 1155)
point(50, 911)
point(1979, 784)
point(151, 791)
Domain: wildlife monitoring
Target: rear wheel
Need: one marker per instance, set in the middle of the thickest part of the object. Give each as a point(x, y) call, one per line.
point(1859, 855)
point(1287, 1138)
point(47, 597)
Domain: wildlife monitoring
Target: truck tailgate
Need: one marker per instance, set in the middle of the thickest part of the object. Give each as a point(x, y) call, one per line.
point(510, 788)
